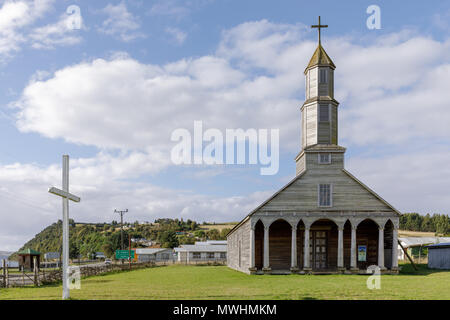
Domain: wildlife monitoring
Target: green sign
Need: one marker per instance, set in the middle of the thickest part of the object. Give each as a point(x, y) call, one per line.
point(124, 254)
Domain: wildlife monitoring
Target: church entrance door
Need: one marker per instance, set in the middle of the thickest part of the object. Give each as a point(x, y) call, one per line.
point(318, 249)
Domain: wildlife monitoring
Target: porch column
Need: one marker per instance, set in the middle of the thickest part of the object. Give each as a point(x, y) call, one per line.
point(381, 248)
point(252, 250)
point(306, 265)
point(340, 259)
point(353, 264)
point(294, 249)
point(266, 249)
point(395, 249)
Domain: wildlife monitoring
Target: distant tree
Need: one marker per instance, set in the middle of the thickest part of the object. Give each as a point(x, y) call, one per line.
point(223, 233)
point(74, 250)
point(168, 239)
point(200, 234)
point(108, 250)
point(186, 240)
point(213, 234)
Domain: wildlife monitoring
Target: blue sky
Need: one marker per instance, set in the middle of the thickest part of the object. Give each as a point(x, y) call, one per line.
point(111, 93)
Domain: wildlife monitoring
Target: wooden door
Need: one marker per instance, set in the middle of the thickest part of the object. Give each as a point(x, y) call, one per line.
point(318, 249)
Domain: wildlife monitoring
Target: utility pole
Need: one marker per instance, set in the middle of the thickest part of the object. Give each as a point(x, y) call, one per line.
point(121, 212)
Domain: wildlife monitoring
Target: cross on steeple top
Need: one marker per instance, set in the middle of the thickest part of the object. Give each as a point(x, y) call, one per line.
point(319, 26)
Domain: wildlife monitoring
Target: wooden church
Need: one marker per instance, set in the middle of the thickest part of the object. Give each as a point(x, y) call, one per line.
point(325, 220)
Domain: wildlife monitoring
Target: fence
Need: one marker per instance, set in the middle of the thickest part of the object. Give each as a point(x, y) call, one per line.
point(41, 276)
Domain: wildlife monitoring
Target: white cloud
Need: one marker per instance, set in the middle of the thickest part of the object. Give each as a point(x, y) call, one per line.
point(24, 191)
point(18, 28)
point(169, 8)
point(416, 181)
point(392, 92)
point(178, 36)
point(14, 17)
point(441, 20)
point(58, 34)
point(254, 80)
point(120, 23)
point(177, 9)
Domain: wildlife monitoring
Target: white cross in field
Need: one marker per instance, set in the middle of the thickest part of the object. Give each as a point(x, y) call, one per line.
point(66, 196)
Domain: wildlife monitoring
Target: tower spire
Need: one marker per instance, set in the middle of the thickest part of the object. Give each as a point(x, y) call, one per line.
point(319, 26)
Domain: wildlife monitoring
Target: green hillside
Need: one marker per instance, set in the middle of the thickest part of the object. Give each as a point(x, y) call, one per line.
point(86, 238)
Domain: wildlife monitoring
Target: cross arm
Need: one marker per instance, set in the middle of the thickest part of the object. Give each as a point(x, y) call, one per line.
point(64, 194)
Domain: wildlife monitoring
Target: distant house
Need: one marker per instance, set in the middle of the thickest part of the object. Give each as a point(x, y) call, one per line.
point(100, 255)
point(154, 255)
point(208, 251)
point(142, 242)
point(51, 256)
point(439, 256)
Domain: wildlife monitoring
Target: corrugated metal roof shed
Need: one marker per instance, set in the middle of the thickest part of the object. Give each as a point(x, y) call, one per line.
point(421, 241)
point(439, 245)
point(439, 256)
point(211, 242)
point(201, 248)
point(151, 250)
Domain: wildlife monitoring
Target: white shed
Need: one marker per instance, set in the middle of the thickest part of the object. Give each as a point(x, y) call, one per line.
point(439, 256)
point(154, 255)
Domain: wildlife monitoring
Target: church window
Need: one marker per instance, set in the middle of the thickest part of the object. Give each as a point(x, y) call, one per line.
point(322, 75)
point(325, 197)
point(324, 113)
point(324, 158)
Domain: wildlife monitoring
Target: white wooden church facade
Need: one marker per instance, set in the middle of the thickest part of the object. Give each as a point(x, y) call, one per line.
point(325, 220)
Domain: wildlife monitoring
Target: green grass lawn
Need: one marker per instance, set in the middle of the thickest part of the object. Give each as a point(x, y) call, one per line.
point(207, 282)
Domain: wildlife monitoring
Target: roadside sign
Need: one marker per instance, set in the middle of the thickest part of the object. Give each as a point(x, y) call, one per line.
point(124, 254)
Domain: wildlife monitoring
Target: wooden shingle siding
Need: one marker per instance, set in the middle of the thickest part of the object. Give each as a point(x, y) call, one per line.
point(300, 165)
point(311, 125)
point(313, 80)
point(348, 195)
point(239, 244)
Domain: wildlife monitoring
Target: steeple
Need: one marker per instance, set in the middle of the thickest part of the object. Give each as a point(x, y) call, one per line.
point(320, 110)
point(320, 58)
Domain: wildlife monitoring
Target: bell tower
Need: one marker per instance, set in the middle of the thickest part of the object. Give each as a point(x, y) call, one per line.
point(320, 110)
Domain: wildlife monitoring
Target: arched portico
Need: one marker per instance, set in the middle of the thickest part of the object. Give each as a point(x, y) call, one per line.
point(280, 245)
point(258, 253)
point(323, 243)
point(367, 243)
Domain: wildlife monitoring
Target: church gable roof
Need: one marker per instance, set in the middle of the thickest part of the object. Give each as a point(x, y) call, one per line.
point(372, 192)
point(320, 57)
point(349, 194)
